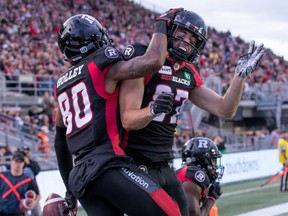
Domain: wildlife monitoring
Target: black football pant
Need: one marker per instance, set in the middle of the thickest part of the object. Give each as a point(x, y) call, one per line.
point(119, 190)
point(284, 180)
point(164, 174)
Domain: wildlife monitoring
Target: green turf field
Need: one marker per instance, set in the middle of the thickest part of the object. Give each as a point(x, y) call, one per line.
point(248, 196)
point(243, 197)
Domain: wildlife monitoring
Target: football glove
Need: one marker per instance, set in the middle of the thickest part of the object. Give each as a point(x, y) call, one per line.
point(162, 104)
point(71, 203)
point(247, 63)
point(215, 190)
point(168, 16)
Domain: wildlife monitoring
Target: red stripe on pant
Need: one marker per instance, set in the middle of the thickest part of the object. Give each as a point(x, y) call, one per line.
point(169, 206)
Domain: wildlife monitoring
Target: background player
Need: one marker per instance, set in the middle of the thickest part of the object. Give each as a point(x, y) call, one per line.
point(201, 168)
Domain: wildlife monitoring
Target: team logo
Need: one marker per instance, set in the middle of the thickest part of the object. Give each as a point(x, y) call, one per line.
point(143, 168)
point(176, 66)
point(128, 51)
point(166, 70)
point(83, 49)
point(187, 76)
point(111, 52)
point(200, 176)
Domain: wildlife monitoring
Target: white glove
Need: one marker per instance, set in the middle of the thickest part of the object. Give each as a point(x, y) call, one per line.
point(247, 63)
point(26, 204)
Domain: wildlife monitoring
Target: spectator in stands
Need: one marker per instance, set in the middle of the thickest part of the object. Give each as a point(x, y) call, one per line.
point(34, 114)
point(31, 166)
point(29, 130)
point(4, 166)
point(44, 145)
point(200, 175)
point(4, 109)
point(48, 106)
point(5, 152)
point(14, 202)
point(150, 106)
point(283, 158)
point(220, 143)
point(87, 121)
point(31, 169)
point(275, 136)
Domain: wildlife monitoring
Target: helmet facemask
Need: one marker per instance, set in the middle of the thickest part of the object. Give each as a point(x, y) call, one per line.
point(215, 170)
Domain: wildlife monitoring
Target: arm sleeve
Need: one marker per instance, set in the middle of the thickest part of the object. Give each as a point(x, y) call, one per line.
point(32, 185)
point(35, 167)
point(64, 157)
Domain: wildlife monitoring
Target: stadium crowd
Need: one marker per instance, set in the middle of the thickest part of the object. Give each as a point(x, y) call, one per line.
point(29, 46)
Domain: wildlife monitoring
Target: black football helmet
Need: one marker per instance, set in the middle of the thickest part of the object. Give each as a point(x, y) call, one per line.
point(203, 152)
point(80, 35)
point(193, 23)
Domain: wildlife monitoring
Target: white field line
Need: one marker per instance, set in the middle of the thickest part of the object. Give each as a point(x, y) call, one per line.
point(247, 190)
point(275, 210)
point(269, 211)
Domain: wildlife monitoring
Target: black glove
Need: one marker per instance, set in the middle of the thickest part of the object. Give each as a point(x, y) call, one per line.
point(247, 63)
point(215, 190)
point(162, 104)
point(168, 16)
point(71, 203)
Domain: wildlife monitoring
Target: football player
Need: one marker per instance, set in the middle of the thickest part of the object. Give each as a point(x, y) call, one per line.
point(102, 177)
point(150, 106)
point(200, 174)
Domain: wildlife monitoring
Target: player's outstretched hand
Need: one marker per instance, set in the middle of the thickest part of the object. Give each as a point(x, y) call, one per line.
point(248, 63)
point(169, 15)
point(162, 104)
point(215, 190)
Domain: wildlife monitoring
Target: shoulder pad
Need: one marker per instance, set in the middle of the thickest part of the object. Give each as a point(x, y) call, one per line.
point(133, 50)
point(198, 176)
point(111, 52)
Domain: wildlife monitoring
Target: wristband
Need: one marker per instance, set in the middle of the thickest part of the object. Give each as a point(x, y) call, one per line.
point(160, 27)
point(212, 198)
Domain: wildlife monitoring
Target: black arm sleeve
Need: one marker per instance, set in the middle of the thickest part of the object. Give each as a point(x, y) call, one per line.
point(35, 167)
point(32, 185)
point(64, 157)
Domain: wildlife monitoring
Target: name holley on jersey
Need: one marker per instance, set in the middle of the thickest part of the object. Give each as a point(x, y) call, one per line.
point(69, 75)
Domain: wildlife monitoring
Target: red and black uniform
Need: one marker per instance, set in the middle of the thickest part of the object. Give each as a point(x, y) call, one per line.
point(91, 116)
point(152, 145)
point(196, 175)
point(12, 190)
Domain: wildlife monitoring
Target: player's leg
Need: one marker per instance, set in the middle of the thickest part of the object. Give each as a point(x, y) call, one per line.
point(94, 205)
point(133, 192)
point(167, 179)
point(174, 188)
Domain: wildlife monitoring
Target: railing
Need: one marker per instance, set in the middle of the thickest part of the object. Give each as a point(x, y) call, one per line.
point(15, 136)
point(24, 90)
